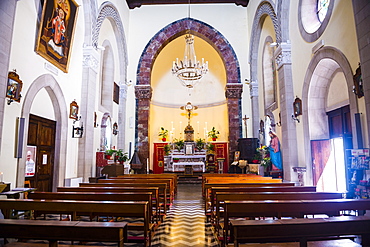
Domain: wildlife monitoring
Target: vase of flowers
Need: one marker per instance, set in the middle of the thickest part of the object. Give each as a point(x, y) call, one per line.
point(163, 133)
point(213, 133)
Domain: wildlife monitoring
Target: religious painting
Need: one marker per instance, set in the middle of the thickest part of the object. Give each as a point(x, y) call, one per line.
point(30, 161)
point(57, 26)
point(73, 110)
point(14, 87)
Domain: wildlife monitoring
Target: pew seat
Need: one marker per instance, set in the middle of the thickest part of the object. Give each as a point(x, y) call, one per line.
point(55, 231)
point(300, 230)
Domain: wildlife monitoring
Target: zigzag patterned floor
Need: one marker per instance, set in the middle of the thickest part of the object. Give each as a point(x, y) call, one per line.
point(185, 224)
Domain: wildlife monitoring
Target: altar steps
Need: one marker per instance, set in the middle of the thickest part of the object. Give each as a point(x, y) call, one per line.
point(189, 179)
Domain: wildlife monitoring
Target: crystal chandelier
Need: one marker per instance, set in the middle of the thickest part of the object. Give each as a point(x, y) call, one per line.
point(189, 70)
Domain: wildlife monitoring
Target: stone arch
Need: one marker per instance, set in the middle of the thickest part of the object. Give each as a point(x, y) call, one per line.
point(334, 57)
point(178, 28)
point(109, 11)
point(264, 9)
point(52, 87)
point(155, 45)
point(90, 18)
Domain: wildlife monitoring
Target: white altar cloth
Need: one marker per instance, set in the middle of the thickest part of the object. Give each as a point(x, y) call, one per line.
point(180, 166)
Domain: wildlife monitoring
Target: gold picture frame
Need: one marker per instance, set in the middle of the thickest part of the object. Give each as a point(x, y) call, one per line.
point(73, 110)
point(14, 87)
point(56, 30)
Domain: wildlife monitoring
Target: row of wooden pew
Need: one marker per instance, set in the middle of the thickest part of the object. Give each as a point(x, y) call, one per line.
point(146, 197)
point(230, 197)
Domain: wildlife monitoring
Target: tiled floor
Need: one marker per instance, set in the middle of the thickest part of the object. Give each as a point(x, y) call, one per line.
point(185, 224)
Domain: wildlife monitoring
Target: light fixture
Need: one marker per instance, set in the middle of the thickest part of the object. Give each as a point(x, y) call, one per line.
point(189, 70)
point(297, 106)
point(77, 132)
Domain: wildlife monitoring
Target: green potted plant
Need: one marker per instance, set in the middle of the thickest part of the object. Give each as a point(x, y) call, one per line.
point(199, 144)
point(213, 133)
point(121, 156)
point(176, 160)
point(163, 133)
point(167, 149)
point(109, 153)
point(179, 144)
point(210, 148)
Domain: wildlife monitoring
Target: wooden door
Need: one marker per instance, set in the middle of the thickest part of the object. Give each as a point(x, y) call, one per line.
point(41, 134)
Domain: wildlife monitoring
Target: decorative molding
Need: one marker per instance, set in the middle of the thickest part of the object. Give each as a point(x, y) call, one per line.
point(178, 106)
point(143, 92)
point(90, 58)
point(283, 55)
point(123, 91)
point(234, 90)
point(253, 89)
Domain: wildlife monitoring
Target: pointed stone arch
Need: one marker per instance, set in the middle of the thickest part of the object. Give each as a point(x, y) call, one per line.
point(55, 93)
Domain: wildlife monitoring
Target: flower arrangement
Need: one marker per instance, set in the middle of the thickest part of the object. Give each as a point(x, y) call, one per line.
point(167, 149)
point(262, 156)
point(179, 144)
point(163, 133)
point(213, 133)
point(199, 143)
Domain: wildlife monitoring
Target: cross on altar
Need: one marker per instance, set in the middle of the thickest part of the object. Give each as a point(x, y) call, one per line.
point(245, 118)
point(189, 108)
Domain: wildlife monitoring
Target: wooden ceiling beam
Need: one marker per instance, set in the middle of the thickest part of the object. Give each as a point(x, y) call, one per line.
point(137, 3)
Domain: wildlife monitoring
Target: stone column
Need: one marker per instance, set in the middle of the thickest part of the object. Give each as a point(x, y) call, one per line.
point(86, 152)
point(233, 95)
point(7, 16)
point(143, 95)
point(362, 19)
point(289, 136)
point(253, 88)
point(122, 117)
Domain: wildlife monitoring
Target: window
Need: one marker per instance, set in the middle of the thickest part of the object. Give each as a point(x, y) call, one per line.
point(322, 9)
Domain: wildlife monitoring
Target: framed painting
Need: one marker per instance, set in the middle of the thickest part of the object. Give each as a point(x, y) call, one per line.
point(73, 110)
point(297, 106)
point(13, 87)
point(57, 26)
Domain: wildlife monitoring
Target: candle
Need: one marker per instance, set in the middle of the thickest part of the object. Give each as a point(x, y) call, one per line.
point(198, 128)
point(1, 177)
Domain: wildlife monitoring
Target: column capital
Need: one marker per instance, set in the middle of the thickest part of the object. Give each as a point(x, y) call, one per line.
point(143, 92)
point(90, 58)
point(283, 55)
point(253, 88)
point(234, 90)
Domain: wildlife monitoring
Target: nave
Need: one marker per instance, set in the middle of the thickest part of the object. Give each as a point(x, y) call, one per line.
point(185, 224)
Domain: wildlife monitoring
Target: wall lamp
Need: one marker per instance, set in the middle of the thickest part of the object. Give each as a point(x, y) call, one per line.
point(297, 106)
point(77, 131)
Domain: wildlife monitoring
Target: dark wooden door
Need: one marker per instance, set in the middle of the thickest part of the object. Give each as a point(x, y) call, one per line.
point(41, 134)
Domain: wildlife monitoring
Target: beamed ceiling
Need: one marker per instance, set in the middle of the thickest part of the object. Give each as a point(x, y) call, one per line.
point(137, 3)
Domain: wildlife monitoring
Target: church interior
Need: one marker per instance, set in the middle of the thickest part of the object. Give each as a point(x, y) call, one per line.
point(194, 94)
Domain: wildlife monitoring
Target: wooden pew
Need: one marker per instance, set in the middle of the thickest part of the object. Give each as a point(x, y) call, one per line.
point(292, 208)
point(221, 197)
point(153, 190)
point(256, 180)
point(209, 197)
point(100, 196)
point(55, 231)
point(300, 230)
point(137, 209)
point(162, 175)
point(162, 190)
point(170, 186)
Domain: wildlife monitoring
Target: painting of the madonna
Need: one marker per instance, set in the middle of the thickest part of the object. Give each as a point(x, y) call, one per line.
point(54, 41)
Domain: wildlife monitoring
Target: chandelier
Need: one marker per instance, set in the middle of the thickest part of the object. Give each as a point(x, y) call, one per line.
point(189, 70)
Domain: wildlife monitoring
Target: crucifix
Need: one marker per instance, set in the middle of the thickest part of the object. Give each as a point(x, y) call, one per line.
point(189, 108)
point(245, 118)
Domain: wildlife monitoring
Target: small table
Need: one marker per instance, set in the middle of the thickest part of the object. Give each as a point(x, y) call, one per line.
point(17, 192)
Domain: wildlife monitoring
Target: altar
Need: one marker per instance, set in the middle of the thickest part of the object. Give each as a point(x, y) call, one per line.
point(178, 163)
